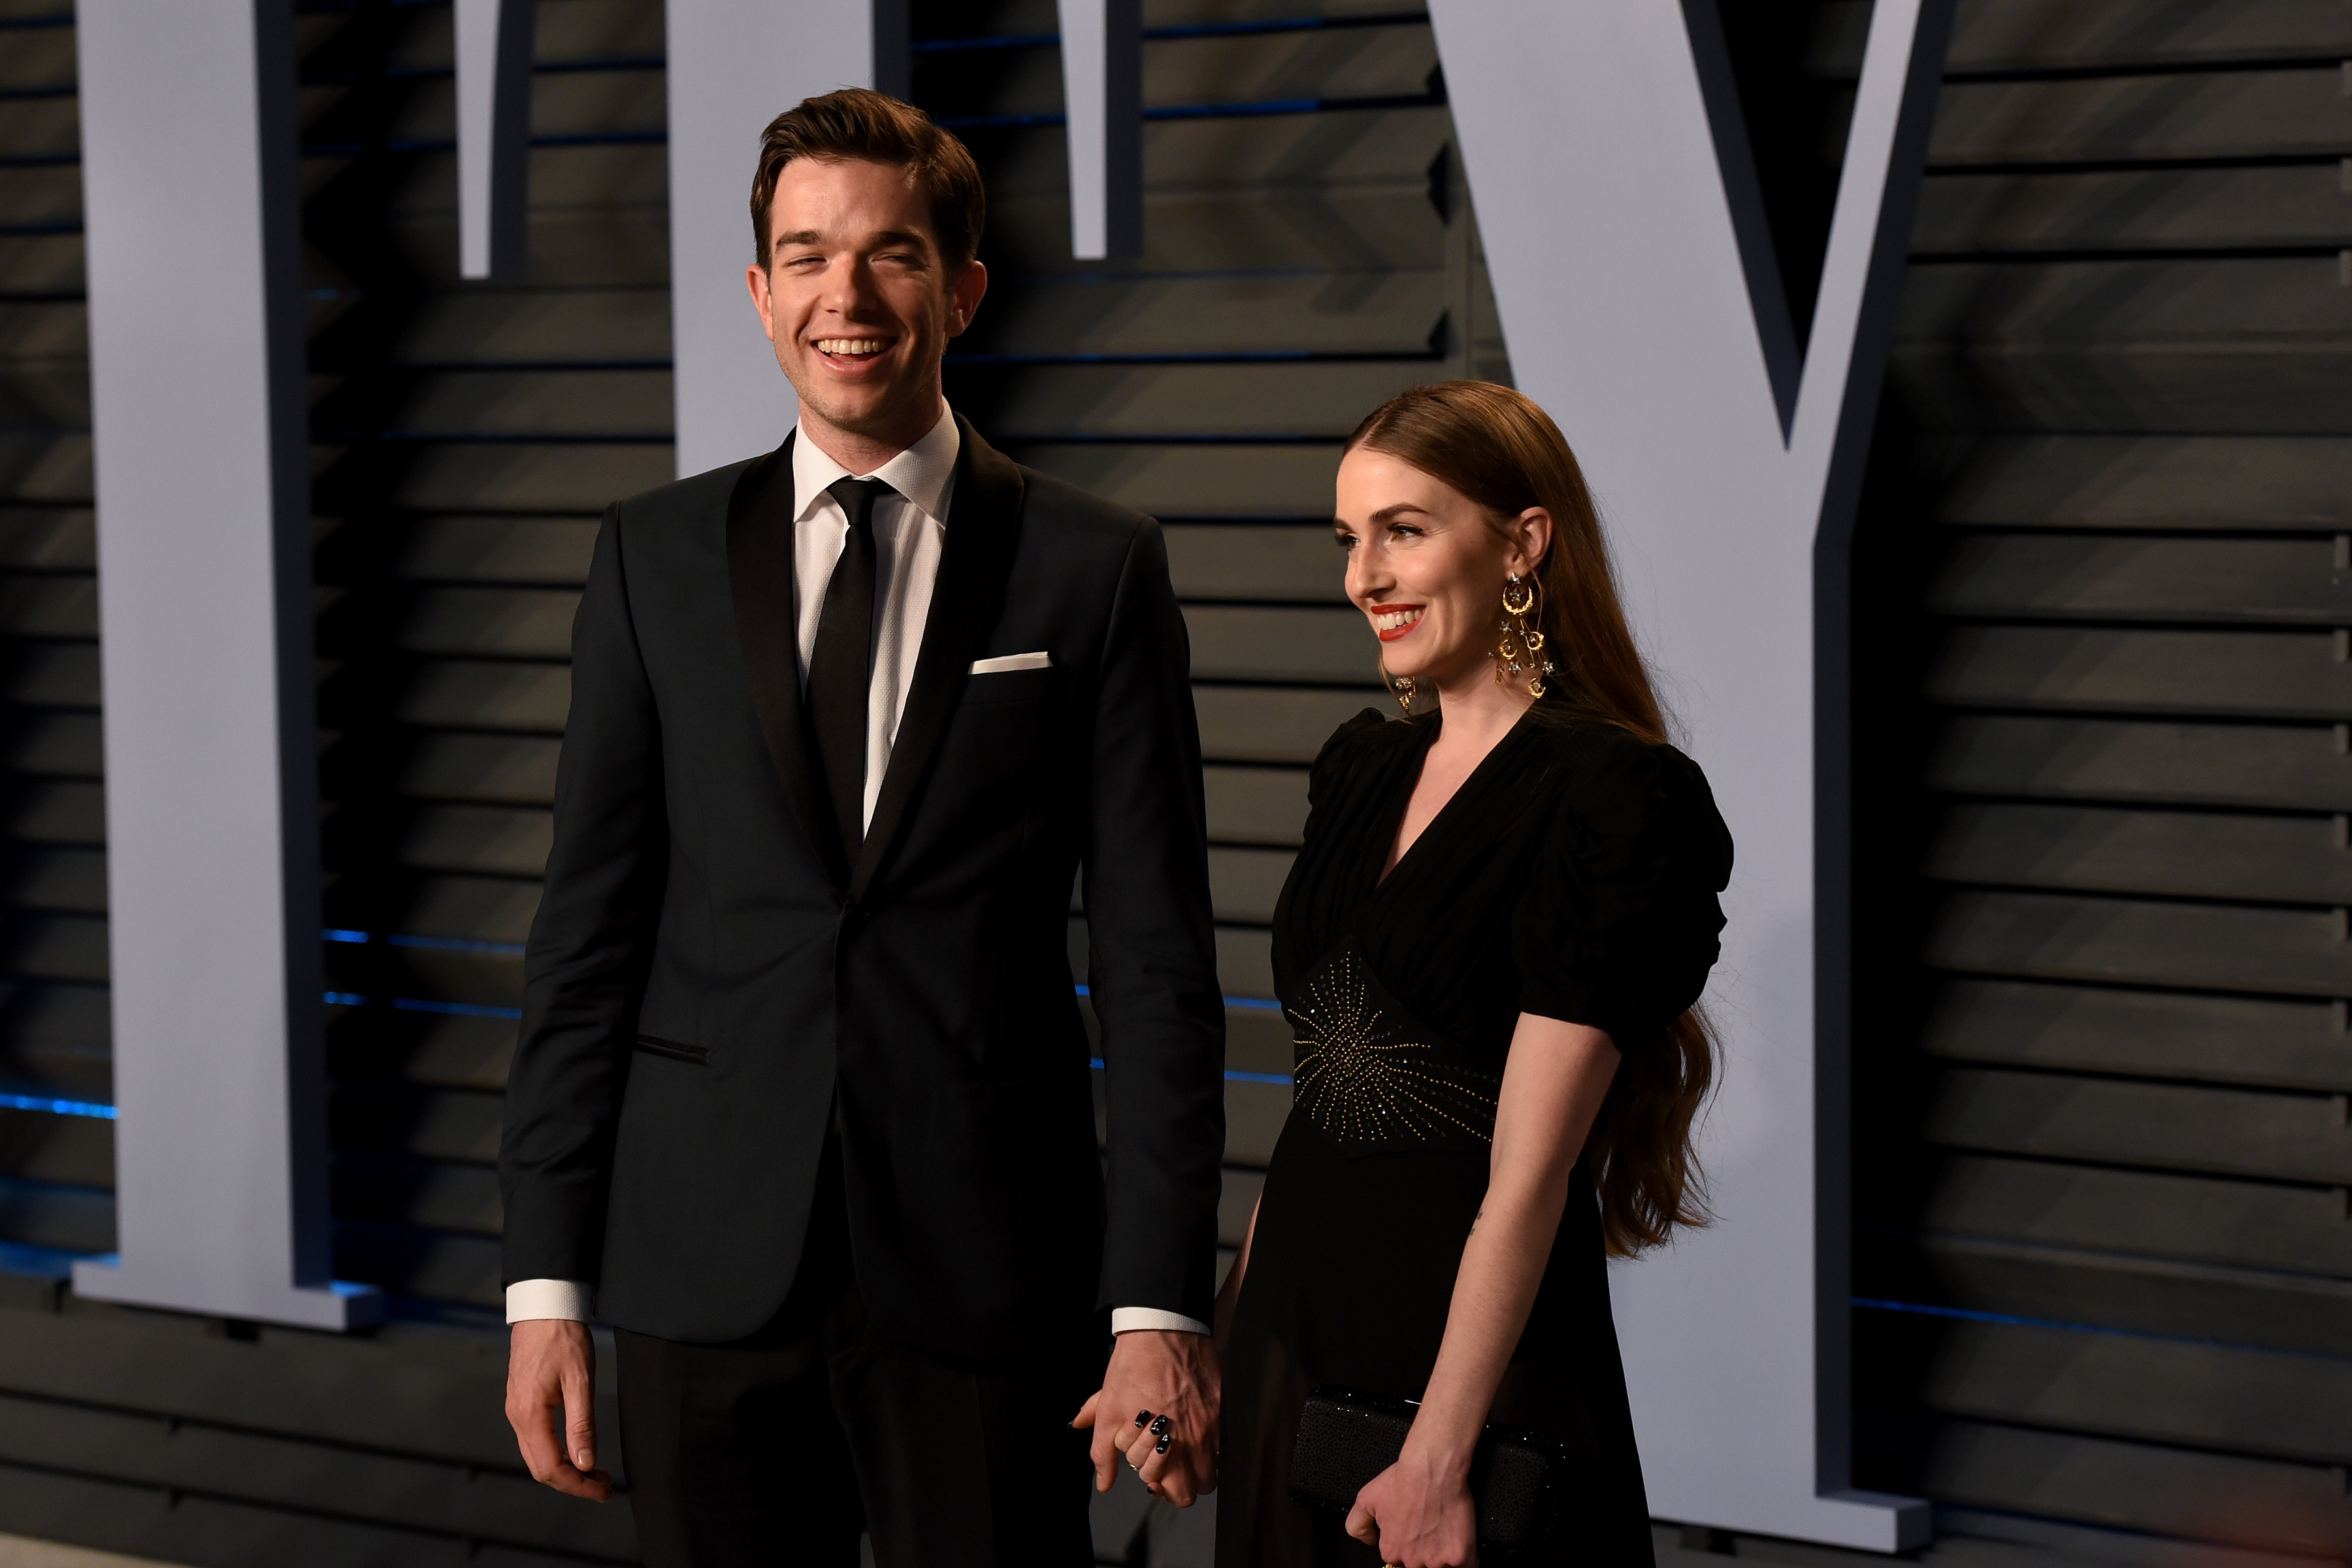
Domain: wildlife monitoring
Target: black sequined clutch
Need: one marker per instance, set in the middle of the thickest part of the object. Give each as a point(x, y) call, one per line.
point(1347, 1438)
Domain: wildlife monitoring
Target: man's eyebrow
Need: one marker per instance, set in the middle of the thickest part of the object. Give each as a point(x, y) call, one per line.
point(887, 238)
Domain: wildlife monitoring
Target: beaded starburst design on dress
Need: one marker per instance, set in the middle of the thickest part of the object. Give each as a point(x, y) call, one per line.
point(1361, 1082)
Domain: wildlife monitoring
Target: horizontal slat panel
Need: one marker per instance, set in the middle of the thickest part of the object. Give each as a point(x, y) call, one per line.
point(1233, 643)
point(415, 1192)
point(77, 1150)
point(478, 838)
point(2014, 35)
point(69, 1219)
point(2212, 1397)
point(1208, 562)
point(2276, 581)
point(55, 745)
point(57, 811)
point(54, 947)
point(2203, 114)
point(487, 325)
point(1304, 152)
point(498, 623)
point(1251, 67)
point(70, 881)
point(38, 58)
point(499, 549)
point(1256, 805)
point(562, 103)
point(1268, 724)
point(2278, 1137)
point(2281, 859)
point(2246, 208)
point(1360, 313)
point(49, 539)
point(1206, 480)
point(2220, 1039)
point(2249, 1225)
point(56, 1038)
point(428, 1264)
point(484, 908)
point(2126, 302)
point(1305, 399)
point(519, 476)
point(1342, 228)
point(440, 1050)
point(429, 972)
point(48, 468)
point(50, 674)
point(2204, 482)
point(446, 694)
point(1245, 883)
point(1244, 961)
point(2138, 1486)
point(40, 127)
point(630, 403)
point(429, 1124)
point(2188, 764)
point(416, 1494)
point(2250, 675)
point(2274, 1310)
point(48, 605)
point(510, 768)
point(2135, 942)
point(1255, 1113)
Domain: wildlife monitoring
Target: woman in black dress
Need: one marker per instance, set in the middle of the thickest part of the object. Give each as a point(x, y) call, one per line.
point(1489, 947)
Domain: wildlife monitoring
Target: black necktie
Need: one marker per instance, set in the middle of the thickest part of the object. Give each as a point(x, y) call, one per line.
point(841, 666)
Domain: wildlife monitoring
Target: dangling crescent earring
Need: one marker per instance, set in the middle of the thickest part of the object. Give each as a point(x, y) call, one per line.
point(1521, 649)
point(1401, 687)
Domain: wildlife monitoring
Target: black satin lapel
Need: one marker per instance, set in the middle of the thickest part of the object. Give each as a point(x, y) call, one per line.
point(983, 526)
point(760, 578)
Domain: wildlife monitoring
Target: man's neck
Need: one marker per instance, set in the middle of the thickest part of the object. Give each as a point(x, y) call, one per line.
point(863, 451)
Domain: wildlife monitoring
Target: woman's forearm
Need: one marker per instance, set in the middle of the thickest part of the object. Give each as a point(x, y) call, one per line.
point(1553, 1085)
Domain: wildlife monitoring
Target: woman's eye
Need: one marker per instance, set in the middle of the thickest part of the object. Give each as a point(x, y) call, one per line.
point(1344, 541)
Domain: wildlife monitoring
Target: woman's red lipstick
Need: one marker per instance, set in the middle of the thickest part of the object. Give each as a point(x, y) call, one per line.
point(1391, 634)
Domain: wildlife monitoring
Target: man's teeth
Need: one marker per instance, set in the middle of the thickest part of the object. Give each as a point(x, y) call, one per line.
point(1396, 618)
point(849, 345)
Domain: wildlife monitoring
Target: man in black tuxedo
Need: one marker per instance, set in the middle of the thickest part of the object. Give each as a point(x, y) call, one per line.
point(802, 1095)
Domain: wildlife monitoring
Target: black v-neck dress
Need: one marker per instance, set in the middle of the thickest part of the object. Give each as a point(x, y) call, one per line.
point(1573, 875)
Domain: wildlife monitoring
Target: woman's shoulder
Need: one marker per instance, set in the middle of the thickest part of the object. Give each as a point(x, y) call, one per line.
point(1603, 773)
point(1358, 740)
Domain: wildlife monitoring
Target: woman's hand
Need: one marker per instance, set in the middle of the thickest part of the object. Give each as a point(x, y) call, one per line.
point(1418, 1516)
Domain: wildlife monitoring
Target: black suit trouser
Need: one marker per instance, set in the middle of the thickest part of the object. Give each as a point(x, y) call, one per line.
point(779, 1448)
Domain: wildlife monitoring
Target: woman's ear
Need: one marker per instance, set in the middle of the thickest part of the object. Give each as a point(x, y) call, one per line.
point(1530, 538)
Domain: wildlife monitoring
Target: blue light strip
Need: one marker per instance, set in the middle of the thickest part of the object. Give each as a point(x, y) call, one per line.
point(1259, 1003)
point(1231, 1075)
point(47, 1105)
point(438, 944)
point(455, 1009)
point(1970, 1315)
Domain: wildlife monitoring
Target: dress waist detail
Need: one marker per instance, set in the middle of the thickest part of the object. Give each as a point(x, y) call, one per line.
point(1368, 1075)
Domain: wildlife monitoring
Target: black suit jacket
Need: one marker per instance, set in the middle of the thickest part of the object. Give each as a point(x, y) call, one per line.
point(706, 978)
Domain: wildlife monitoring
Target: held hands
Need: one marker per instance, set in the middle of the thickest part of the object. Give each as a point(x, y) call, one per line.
point(552, 1404)
point(1418, 1515)
point(1158, 1375)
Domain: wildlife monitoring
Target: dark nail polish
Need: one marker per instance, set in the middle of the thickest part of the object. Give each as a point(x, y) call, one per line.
point(1162, 1447)
point(1160, 1427)
point(1142, 1417)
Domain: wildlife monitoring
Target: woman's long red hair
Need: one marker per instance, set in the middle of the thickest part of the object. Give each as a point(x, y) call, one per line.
point(1503, 452)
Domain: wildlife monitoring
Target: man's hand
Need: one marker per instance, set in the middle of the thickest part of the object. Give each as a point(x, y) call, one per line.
point(552, 1404)
point(1156, 1373)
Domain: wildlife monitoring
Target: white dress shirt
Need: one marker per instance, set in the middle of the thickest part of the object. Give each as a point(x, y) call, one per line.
point(909, 531)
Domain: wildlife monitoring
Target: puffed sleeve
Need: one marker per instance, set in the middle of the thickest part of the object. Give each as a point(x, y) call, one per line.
point(1331, 761)
point(1617, 926)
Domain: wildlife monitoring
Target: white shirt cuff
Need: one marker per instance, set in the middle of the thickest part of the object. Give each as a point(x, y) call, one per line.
point(529, 1299)
point(1122, 1318)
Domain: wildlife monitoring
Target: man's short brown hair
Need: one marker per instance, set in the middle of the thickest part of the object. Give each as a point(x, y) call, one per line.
point(870, 127)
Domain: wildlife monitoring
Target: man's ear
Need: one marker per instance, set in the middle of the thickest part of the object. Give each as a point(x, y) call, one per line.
point(755, 277)
point(964, 295)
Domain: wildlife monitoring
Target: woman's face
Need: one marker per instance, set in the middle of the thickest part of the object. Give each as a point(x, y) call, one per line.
point(1425, 567)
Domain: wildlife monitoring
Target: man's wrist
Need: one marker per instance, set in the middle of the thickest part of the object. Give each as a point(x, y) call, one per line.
point(534, 1299)
point(1128, 1319)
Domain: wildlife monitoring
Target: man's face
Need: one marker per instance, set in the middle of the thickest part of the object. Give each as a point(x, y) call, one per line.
point(857, 298)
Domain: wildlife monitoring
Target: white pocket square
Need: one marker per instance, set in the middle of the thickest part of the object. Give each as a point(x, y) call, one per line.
point(1013, 661)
